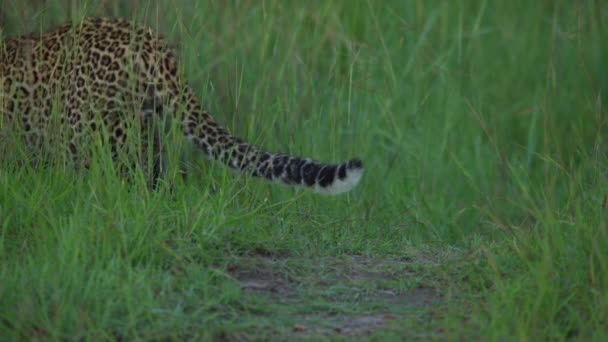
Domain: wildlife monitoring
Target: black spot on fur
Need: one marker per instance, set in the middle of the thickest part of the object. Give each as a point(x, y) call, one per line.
point(278, 170)
point(264, 157)
point(243, 148)
point(327, 175)
point(355, 164)
point(110, 78)
point(120, 52)
point(342, 172)
point(95, 56)
point(206, 147)
point(309, 173)
point(23, 92)
point(294, 170)
point(105, 60)
point(279, 160)
point(265, 170)
point(111, 90)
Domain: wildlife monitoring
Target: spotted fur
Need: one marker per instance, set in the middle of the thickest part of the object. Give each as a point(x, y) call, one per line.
point(95, 71)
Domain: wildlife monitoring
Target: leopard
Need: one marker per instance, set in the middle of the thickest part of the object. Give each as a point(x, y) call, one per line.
point(113, 74)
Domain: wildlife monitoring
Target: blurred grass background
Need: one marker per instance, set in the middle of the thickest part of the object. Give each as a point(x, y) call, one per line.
point(482, 126)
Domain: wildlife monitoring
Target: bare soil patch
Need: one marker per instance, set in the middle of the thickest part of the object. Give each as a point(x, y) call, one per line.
point(359, 281)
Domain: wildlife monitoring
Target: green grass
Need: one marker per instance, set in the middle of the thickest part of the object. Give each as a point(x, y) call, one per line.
point(483, 129)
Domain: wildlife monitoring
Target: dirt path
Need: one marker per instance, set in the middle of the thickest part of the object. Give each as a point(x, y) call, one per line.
point(347, 296)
